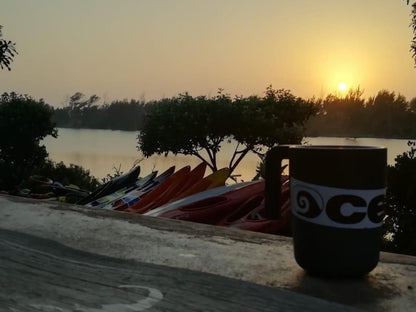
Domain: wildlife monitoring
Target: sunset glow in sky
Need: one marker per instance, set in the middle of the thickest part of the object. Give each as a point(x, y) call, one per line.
point(150, 49)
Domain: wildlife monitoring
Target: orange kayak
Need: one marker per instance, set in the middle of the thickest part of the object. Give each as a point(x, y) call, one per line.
point(195, 176)
point(213, 180)
point(136, 195)
point(163, 192)
point(192, 177)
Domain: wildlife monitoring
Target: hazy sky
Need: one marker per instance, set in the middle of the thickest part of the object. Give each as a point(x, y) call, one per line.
point(158, 48)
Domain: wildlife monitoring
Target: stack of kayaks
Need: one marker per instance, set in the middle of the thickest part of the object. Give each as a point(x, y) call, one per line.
point(43, 188)
point(127, 180)
point(187, 194)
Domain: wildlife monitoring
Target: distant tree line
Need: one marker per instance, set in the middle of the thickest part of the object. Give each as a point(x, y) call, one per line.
point(387, 115)
point(84, 112)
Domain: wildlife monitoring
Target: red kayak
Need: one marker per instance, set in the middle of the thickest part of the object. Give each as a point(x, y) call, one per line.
point(251, 215)
point(213, 209)
point(257, 222)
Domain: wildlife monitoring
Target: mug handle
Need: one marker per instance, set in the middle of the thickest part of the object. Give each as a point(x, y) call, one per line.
point(273, 175)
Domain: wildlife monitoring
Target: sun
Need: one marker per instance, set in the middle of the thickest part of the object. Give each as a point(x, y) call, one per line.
point(342, 86)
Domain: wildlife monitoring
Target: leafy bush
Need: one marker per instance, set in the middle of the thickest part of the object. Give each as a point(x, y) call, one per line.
point(24, 122)
point(72, 174)
point(199, 126)
point(400, 223)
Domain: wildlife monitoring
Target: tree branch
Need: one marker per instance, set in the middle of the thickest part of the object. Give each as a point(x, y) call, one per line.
point(242, 153)
point(204, 160)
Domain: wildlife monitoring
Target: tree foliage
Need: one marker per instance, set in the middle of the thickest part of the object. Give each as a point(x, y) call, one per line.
point(413, 26)
point(7, 52)
point(387, 115)
point(24, 122)
point(71, 174)
point(199, 126)
point(400, 223)
point(85, 112)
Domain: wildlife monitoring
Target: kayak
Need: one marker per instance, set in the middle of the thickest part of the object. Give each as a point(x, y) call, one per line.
point(124, 180)
point(110, 198)
point(213, 209)
point(251, 215)
point(189, 179)
point(195, 197)
point(135, 195)
point(195, 176)
point(41, 187)
point(215, 179)
point(162, 193)
point(255, 221)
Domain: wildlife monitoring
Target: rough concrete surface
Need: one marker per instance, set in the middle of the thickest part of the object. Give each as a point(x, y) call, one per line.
point(251, 257)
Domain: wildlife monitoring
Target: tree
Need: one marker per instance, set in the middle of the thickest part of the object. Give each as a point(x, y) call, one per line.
point(71, 174)
point(200, 125)
point(339, 115)
point(412, 105)
point(24, 122)
point(400, 221)
point(276, 118)
point(85, 112)
point(7, 52)
point(389, 114)
point(413, 26)
point(77, 113)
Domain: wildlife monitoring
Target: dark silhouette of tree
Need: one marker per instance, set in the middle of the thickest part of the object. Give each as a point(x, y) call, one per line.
point(400, 223)
point(24, 122)
point(187, 125)
point(7, 52)
point(124, 115)
point(78, 102)
point(276, 118)
point(85, 112)
point(198, 126)
point(67, 174)
point(339, 115)
point(413, 26)
point(412, 105)
point(387, 115)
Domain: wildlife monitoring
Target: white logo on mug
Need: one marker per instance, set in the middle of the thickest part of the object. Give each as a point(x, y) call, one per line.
point(336, 207)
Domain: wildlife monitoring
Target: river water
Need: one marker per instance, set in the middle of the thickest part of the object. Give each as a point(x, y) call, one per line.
point(103, 152)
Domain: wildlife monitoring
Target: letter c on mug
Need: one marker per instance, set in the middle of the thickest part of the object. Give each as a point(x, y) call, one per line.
point(334, 204)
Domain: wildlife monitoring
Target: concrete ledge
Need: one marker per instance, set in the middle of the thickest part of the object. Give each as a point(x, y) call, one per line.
point(253, 257)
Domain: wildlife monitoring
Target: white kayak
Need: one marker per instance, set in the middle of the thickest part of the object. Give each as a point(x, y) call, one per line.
point(196, 197)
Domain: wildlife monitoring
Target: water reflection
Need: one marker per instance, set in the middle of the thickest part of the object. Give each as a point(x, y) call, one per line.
point(101, 151)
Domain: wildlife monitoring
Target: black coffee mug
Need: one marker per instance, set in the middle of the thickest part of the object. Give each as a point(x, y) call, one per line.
point(337, 198)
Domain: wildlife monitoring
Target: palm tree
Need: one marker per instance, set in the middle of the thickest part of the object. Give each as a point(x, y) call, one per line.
point(7, 52)
point(413, 26)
